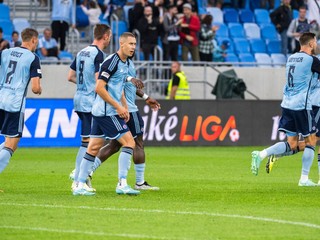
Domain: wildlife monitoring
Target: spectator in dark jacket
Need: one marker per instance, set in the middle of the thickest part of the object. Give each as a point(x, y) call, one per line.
point(281, 17)
point(150, 30)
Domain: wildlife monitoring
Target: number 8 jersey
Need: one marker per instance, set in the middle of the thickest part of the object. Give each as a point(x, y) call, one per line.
point(300, 70)
point(18, 66)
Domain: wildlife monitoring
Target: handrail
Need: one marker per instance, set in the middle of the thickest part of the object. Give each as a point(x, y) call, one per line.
point(115, 18)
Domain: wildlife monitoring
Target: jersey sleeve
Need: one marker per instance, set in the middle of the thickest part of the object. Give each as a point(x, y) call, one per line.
point(97, 61)
point(175, 80)
point(35, 69)
point(0, 57)
point(108, 68)
point(73, 65)
point(315, 65)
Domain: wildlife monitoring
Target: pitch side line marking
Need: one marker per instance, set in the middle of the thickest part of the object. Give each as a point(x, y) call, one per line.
point(304, 224)
point(40, 229)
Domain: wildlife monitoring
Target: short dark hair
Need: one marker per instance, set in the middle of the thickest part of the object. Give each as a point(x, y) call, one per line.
point(127, 34)
point(306, 37)
point(14, 32)
point(1, 30)
point(207, 19)
point(28, 33)
point(99, 30)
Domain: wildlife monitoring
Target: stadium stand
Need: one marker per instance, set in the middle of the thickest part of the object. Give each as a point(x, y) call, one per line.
point(231, 57)
point(262, 16)
point(263, 59)
point(252, 30)
point(230, 15)
point(268, 31)
point(222, 31)
point(216, 13)
point(20, 24)
point(241, 45)
point(246, 16)
point(258, 46)
point(4, 12)
point(236, 30)
point(82, 19)
point(274, 46)
point(278, 59)
point(247, 58)
point(7, 28)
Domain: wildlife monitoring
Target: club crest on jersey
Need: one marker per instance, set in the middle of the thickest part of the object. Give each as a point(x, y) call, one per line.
point(125, 126)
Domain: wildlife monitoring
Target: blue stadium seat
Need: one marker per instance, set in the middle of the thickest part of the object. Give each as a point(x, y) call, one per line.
point(230, 49)
point(126, 9)
point(268, 31)
point(263, 59)
point(262, 16)
point(231, 57)
point(122, 27)
point(252, 30)
point(20, 24)
point(246, 58)
point(278, 59)
point(7, 28)
point(236, 30)
point(64, 55)
point(241, 45)
point(246, 16)
point(230, 15)
point(4, 12)
point(216, 13)
point(274, 46)
point(222, 31)
point(82, 19)
point(295, 13)
point(258, 46)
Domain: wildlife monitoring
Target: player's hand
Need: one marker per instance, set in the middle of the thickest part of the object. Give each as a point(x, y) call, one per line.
point(153, 104)
point(123, 113)
point(138, 83)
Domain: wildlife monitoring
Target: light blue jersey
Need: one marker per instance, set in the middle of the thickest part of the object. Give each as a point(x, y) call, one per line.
point(114, 72)
point(18, 66)
point(86, 65)
point(300, 70)
point(130, 89)
point(62, 10)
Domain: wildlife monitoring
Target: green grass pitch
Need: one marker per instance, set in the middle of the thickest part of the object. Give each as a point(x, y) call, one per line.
point(206, 193)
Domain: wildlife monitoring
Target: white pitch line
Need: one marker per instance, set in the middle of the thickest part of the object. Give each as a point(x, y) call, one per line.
point(303, 224)
point(40, 229)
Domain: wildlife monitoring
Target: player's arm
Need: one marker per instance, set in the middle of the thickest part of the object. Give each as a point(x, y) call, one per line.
point(72, 76)
point(135, 81)
point(154, 105)
point(124, 104)
point(315, 65)
point(104, 94)
point(174, 88)
point(35, 76)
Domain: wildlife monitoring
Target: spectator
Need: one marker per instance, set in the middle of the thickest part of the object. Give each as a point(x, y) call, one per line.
point(135, 14)
point(193, 3)
point(48, 45)
point(150, 29)
point(115, 7)
point(170, 40)
point(178, 88)
point(62, 16)
point(3, 43)
point(281, 17)
point(189, 29)
point(219, 52)
point(15, 40)
point(314, 12)
point(263, 4)
point(93, 12)
point(297, 27)
point(206, 36)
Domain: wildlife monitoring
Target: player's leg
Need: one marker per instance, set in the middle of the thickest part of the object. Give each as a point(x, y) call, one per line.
point(124, 161)
point(7, 151)
point(140, 165)
point(105, 152)
point(307, 159)
point(286, 124)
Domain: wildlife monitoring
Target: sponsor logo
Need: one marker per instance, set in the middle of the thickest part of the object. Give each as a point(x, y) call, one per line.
point(105, 74)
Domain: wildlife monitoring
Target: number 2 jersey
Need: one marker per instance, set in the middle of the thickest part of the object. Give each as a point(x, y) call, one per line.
point(86, 64)
point(18, 66)
point(300, 70)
